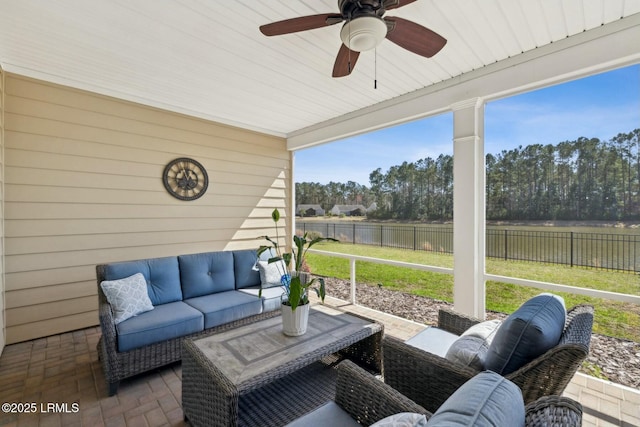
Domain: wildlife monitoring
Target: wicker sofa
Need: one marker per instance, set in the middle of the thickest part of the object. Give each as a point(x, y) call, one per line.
point(191, 295)
point(362, 399)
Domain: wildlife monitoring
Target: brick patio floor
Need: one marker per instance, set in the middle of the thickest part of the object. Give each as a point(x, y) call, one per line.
point(59, 380)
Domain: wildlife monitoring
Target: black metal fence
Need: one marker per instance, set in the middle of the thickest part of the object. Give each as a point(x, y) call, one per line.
point(583, 249)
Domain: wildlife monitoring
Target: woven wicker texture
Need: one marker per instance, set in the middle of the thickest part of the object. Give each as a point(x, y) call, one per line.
point(554, 411)
point(120, 365)
point(211, 398)
point(367, 400)
point(415, 372)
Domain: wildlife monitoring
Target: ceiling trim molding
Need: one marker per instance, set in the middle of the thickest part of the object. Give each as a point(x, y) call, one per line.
point(602, 49)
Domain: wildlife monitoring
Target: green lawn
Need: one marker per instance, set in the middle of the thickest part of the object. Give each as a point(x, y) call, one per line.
point(612, 318)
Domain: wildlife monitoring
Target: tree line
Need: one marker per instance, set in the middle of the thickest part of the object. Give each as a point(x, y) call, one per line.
point(585, 179)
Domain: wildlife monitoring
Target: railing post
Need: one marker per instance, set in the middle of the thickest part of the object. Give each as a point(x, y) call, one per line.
point(505, 244)
point(571, 249)
point(381, 234)
point(415, 243)
point(354, 233)
point(352, 274)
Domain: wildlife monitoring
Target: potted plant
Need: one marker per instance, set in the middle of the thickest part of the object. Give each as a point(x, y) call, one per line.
point(296, 281)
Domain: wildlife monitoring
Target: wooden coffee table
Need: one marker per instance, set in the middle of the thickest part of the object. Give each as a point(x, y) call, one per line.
point(275, 377)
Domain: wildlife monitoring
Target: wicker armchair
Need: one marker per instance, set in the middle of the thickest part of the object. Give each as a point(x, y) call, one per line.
point(414, 372)
point(367, 400)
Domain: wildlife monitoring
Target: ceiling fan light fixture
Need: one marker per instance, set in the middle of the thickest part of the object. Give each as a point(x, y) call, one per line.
point(363, 33)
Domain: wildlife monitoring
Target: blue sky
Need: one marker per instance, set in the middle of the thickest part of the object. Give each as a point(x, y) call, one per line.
point(599, 106)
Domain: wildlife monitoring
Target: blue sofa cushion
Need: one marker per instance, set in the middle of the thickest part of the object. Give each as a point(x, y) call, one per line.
point(225, 307)
point(244, 268)
point(206, 273)
point(162, 276)
point(164, 322)
point(271, 297)
point(486, 400)
point(527, 333)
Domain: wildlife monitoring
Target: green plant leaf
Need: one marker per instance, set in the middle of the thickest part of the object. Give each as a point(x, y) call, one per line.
point(295, 292)
point(321, 291)
point(275, 215)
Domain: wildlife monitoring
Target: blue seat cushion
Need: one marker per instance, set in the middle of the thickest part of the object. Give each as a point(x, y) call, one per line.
point(329, 414)
point(164, 322)
point(244, 268)
point(225, 307)
point(206, 273)
point(434, 340)
point(162, 276)
point(527, 333)
point(271, 297)
point(486, 400)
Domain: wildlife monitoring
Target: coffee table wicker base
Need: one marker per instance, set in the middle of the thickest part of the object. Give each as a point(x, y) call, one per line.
point(275, 404)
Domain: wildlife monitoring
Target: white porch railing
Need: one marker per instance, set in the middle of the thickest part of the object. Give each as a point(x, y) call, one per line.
point(493, 277)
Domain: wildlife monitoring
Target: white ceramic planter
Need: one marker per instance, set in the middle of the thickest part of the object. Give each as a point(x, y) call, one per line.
point(294, 323)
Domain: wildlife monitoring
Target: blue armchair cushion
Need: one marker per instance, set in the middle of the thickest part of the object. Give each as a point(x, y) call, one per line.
point(486, 400)
point(329, 414)
point(162, 276)
point(206, 273)
point(527, 333)
point(434, 340)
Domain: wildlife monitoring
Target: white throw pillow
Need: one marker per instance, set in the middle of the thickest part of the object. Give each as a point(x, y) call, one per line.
point(128, 297)
point(270, 274)
point(473, 345)
point(485, 330)
point(403, 419)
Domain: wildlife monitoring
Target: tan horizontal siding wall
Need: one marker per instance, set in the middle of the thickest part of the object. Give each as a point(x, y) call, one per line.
point(2, 310)
point(83, 186)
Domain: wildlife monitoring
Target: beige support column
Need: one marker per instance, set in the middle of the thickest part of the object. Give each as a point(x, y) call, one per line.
point(469, 208)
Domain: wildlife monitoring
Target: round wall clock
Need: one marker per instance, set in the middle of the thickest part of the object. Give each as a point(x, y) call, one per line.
point(185, 179)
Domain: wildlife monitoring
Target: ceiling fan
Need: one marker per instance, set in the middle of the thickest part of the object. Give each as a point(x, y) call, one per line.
point(363, 30)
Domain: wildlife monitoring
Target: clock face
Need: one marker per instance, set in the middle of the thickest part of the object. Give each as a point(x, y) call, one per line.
point(185, 179)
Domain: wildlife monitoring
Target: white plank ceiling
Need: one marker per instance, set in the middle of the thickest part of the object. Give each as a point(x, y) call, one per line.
point(207, 58)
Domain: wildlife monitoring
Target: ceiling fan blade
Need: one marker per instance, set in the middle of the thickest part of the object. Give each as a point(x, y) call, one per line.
point(414, 37)
point(394, 4)
point(345, 62)
point(300, 24)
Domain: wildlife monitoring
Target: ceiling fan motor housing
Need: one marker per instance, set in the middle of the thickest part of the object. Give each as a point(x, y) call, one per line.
point(364, 28)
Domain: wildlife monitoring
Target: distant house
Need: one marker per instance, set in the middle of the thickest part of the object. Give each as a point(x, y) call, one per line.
point(309, 210)
point(349, 210)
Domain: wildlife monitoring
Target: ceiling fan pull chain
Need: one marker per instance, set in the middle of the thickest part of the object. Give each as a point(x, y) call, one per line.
point(375, 68)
